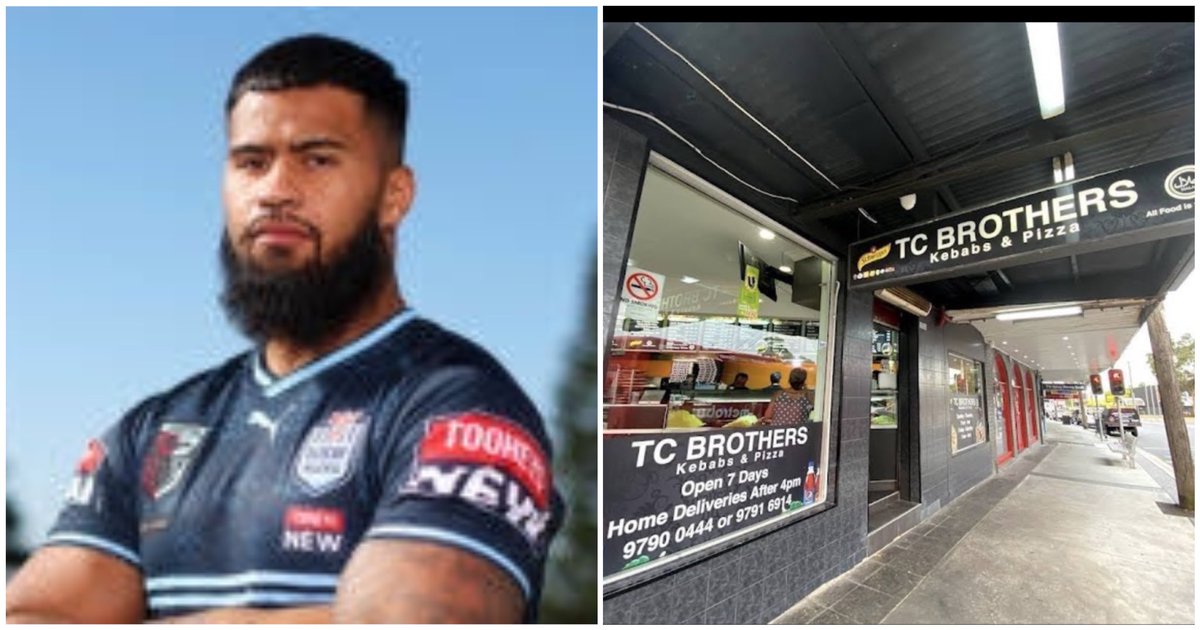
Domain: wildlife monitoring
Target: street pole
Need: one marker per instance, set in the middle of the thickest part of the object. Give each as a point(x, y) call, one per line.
point(1177, 436)
point(1132, 391)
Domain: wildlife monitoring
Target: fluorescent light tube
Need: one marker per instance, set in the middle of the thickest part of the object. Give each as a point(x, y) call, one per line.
point(1047, 67)
point(1041, 313)
point(688, 280)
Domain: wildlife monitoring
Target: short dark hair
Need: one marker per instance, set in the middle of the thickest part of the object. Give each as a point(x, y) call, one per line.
point(797, 377)
point(312, 60)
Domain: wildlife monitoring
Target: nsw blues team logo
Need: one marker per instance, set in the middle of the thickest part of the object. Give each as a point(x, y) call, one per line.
point(327, 455)
point(170, 456)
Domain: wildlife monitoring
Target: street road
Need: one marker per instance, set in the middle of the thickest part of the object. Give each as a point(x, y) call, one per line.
point(1152, 440)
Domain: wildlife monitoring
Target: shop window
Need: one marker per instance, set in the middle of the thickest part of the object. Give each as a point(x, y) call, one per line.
point(968, 422)
point(716, 390)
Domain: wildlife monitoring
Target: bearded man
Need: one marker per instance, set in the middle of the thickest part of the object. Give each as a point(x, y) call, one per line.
point(360, 463)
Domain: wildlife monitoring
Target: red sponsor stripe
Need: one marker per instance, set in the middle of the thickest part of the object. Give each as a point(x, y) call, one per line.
point(300, 517)
point(477, 438)
point(91, 458)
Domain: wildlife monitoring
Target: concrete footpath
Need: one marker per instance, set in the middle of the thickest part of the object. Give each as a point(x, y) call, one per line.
point(1064, 534)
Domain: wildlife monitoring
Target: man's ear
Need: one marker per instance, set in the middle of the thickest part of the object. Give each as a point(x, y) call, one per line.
point(397, 197)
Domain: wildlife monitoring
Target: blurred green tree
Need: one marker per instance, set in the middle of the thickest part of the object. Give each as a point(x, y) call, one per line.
point(1185, 363)
point(15, 552)
point(570, 592)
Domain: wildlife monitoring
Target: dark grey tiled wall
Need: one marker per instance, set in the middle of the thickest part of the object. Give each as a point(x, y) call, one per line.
point(935, 414)
point(943, 476)
point(757, 581)
point(625, 157)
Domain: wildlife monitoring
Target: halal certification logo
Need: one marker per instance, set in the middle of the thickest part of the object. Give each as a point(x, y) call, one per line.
point(1181, 183)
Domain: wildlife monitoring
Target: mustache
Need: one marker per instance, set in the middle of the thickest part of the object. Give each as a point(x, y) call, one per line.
point(279, 217)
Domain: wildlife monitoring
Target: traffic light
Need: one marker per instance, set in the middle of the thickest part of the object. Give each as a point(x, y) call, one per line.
point(1116, 382)
point(1097, 386)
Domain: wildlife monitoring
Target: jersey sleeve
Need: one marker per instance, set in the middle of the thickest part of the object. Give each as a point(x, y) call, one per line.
point(100, 507)
point(468, 464)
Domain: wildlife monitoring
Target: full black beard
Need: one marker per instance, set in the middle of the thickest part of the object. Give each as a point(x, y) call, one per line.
point(307, 305)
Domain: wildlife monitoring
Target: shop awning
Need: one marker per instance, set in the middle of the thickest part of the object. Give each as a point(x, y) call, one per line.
point(824, 126)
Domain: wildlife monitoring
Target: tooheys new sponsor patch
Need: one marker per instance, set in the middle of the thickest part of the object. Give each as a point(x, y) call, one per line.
point(489, 462)
point(329, 450)
point(171, 453)
point(313, 529)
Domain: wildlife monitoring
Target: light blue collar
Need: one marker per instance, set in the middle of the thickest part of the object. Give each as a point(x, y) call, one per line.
point(273, 387)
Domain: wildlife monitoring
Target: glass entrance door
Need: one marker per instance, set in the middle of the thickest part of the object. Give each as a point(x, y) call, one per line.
point(885, 411)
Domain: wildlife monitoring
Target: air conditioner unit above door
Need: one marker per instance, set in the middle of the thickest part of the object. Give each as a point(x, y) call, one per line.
point(905, 300)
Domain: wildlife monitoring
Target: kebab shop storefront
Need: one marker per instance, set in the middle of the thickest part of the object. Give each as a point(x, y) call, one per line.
point(720, 426)
point(743, 363)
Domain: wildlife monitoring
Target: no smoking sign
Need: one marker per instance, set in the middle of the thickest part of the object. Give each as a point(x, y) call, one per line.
point(641, 286)
point(641, 294)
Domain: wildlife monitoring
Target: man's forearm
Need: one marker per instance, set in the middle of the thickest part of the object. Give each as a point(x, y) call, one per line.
point(306, 614)
point(38, 618)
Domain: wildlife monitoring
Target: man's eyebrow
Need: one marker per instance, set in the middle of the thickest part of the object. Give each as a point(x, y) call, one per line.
point(248, 147)
point(320, 142)
point(299, 146)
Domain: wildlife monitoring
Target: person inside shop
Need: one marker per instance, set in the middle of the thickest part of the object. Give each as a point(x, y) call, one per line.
point(689, 383)
point(739, 381)
point(792, 406)
point(774, 386)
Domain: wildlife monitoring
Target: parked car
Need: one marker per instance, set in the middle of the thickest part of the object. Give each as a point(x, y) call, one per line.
point(1116, 416)
point(1093, 416)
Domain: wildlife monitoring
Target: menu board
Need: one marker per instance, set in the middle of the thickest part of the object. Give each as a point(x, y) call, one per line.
point(968, 425)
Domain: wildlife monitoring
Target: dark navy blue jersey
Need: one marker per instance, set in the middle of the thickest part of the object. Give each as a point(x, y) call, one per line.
point(236, 488)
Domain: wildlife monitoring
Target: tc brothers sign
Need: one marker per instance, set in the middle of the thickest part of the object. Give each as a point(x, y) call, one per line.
point(668, 493)
point(1145, 202)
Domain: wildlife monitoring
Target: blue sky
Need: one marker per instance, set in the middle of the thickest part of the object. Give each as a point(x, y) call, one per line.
point(115, 141)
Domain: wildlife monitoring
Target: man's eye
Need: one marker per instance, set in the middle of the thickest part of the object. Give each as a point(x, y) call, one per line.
point(318, 160)
point(250, 163)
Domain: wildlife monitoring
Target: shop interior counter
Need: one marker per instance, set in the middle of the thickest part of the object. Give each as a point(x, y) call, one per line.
point(719, 408)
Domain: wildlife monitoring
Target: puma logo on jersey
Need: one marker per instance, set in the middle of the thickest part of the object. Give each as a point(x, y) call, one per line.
point(260, 419)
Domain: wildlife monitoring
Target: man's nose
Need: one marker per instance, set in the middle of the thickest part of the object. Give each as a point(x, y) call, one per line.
point(279, 188)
